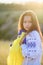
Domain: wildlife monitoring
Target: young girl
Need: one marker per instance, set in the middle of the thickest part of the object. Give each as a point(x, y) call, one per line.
point(31, 44)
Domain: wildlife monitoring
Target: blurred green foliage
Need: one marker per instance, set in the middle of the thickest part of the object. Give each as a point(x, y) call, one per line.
point(9, 17)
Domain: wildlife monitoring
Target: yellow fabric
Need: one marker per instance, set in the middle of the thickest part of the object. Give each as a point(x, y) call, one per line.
point(15, 56)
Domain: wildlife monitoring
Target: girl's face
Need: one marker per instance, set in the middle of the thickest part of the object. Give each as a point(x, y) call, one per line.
point(27, 22)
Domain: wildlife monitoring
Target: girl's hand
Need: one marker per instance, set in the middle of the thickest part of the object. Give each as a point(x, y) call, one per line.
point(29, 58)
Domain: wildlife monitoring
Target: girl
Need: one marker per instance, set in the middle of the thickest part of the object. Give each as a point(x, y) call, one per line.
point(31, 44)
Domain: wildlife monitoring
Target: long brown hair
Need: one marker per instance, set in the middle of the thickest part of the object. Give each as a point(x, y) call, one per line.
point(35, 22)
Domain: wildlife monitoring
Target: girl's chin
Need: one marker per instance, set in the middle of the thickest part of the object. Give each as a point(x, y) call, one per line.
point(27, 30)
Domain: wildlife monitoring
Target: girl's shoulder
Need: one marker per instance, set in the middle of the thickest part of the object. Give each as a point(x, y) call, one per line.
point(34, 34)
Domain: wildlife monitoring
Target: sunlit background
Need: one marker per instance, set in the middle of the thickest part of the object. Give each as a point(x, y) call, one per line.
point(20, 1)
point(10, 11)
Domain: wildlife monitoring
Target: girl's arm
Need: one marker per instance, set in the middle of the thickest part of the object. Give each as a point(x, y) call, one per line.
point(34, 45)
point(33, 48)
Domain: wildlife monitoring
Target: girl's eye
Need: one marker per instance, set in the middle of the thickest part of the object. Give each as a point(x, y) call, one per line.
point(27, 22)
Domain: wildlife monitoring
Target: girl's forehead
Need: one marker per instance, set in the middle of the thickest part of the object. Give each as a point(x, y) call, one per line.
point(27, 18)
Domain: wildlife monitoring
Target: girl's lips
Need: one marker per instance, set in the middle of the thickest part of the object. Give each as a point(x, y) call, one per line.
point(27, 27)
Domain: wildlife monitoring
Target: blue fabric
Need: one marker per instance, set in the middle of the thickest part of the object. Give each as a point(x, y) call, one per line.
point(19, 33)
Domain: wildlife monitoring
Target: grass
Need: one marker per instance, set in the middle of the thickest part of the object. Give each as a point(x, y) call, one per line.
point(4, 50)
